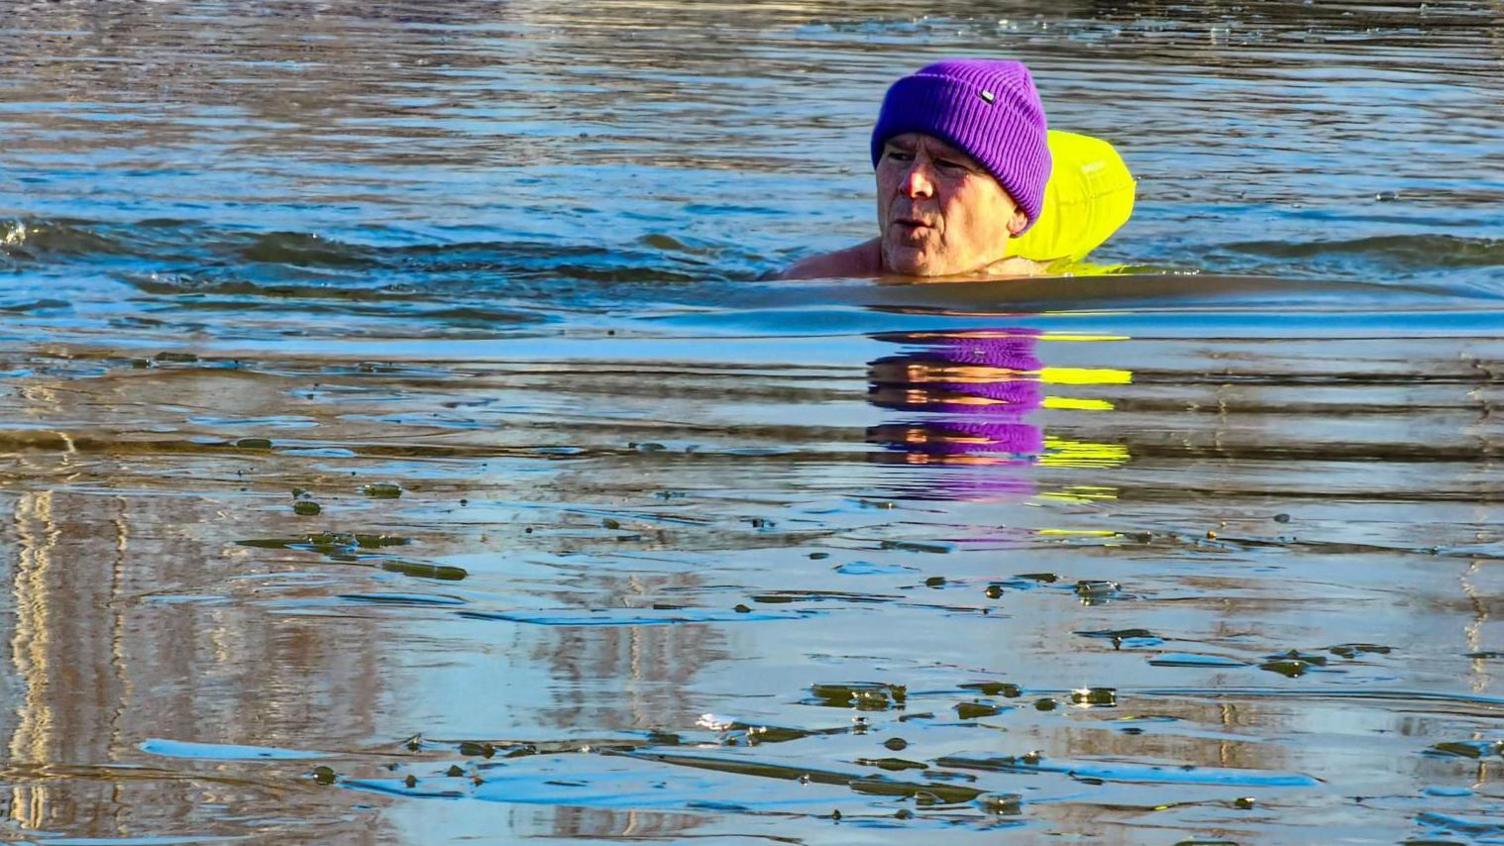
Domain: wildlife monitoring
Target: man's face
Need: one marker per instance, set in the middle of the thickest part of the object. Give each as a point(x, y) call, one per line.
point(940, 212)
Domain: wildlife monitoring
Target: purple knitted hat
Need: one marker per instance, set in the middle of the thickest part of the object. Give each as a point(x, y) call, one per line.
point(988, 108)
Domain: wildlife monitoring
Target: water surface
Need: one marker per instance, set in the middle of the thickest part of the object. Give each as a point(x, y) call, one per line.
point(398, 446)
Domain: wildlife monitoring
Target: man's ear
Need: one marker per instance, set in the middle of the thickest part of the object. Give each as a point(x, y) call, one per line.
point(1017, 223)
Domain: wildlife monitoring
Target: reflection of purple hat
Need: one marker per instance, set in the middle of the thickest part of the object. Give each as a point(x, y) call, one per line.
point(961, 437)
point(1014, 397)
point(979, 387)
point(988, 108)
point(1013, 351)
point(954, 437)
point(949, 388)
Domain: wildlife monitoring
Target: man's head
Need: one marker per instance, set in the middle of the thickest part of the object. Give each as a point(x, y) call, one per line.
point(962, 160)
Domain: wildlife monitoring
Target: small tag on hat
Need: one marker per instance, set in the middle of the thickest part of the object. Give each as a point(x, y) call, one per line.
point(988, 95)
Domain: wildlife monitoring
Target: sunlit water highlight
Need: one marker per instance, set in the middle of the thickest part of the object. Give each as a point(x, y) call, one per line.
point(400, 447)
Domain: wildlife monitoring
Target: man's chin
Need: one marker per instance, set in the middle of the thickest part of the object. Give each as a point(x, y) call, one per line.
point(908, 261)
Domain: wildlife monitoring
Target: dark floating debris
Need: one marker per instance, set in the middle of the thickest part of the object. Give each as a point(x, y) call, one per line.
point(1353, 650)
point(892, 764)
point(755, 735)
point(1292, 664)
point(895, 744)
point(1466, 749)
point(938, 547)
point(1095, 697)
point(254, 443)
point(994, 688)
point(441, 572)
point(1005, 804)
point(863, 696)
point(1125, 637)
point(328, 542)
point(472, 749)
point(1094, 591)
point(381, 490)
point(1286, 667)
point(304, 508)
point(973, 710)
point(323, 775)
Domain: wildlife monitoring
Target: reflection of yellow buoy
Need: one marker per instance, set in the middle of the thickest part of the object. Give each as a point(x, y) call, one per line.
point(1063, 452)
point(1089, 197)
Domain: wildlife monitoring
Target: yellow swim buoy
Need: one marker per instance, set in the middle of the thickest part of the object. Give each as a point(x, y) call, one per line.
point(1089, 196)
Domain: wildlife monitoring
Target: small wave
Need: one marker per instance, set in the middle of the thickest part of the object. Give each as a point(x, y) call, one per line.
point(209, 259)
point(29, 239)
point(1402, 252)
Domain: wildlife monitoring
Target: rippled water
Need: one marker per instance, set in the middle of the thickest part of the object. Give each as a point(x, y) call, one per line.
point(399, 447)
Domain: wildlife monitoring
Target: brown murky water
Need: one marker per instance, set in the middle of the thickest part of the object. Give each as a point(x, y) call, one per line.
point(396, 447)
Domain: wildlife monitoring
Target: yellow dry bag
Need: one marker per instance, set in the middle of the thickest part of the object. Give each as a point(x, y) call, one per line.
point(1089, 197)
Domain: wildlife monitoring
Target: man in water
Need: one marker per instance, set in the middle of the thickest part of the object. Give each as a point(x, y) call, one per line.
point(961, 157)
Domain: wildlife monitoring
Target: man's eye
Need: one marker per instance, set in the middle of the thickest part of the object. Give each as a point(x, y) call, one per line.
point(900, 156)
point(950, 166)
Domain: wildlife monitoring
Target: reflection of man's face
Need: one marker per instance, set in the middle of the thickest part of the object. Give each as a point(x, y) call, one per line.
point(940, 212)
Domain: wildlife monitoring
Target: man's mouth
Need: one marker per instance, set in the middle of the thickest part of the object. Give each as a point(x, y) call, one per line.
point(909, 226)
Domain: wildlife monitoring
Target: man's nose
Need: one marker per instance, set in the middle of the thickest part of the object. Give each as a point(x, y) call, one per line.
point(917, 182)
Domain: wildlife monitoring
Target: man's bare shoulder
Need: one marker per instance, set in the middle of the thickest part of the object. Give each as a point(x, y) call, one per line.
point(861, 260)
